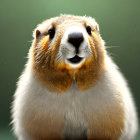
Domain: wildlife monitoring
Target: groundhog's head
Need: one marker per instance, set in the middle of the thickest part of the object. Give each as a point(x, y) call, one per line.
point(66, 50)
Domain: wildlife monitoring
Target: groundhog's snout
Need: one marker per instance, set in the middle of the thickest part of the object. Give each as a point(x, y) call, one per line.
point(75, 46)
point(75, 38)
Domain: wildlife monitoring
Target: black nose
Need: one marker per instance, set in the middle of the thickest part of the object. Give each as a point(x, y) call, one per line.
point(75, 39)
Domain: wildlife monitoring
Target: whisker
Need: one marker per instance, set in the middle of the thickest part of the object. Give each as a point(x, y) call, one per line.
point(30, 41)
point(108, 47)
point(65, 52)
point(59, 57)
point(113, 54)
point(26, 57)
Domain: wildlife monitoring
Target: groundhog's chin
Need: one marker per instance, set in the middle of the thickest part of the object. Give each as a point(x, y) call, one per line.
point(75, 60)
point(74, 63)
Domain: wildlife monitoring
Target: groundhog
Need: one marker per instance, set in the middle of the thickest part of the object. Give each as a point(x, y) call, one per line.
point(71, 88)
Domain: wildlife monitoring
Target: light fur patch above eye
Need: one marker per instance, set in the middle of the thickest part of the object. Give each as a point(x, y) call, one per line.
point(45, 43)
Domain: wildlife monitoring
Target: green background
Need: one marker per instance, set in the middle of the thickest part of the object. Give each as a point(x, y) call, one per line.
point(119, 22)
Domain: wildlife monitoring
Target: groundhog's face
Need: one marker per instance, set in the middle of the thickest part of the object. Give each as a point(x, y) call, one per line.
point(67, 49)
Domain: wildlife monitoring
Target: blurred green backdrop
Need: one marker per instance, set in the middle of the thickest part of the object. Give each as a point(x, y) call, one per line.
point(119, 25)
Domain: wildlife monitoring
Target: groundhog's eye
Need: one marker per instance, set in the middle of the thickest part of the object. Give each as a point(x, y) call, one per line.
point(51, 33)
point(88, 28)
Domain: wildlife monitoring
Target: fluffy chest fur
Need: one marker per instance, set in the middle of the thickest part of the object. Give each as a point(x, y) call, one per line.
point(95, 113)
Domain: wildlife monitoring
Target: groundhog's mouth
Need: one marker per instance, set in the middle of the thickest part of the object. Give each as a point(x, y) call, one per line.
point(76, 59)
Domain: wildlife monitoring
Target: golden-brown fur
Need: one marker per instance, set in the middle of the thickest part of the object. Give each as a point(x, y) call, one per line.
point(40, 126)
point(106, 126)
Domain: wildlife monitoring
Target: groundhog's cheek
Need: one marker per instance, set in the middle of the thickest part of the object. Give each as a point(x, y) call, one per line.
point(93, 48)
point(45, 43)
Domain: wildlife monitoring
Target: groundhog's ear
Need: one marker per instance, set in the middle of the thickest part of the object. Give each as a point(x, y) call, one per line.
point(97, 27)
point(36, 33)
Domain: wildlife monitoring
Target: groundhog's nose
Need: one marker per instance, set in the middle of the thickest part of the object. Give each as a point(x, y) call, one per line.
point(76, 39)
